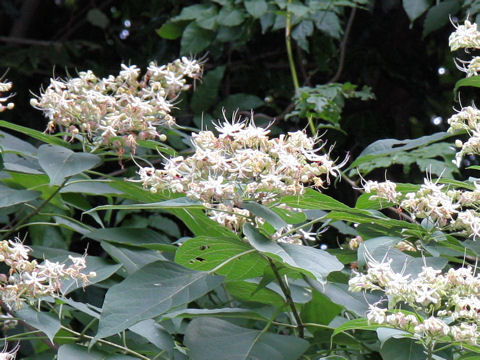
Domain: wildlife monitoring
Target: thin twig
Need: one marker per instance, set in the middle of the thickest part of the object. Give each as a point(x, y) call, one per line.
point(288, 297)
point(343, 46)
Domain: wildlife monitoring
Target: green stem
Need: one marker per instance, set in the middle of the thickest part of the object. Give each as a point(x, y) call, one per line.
point(120, 347)
point(34, 212)
point(288, 42)
point(288, 297)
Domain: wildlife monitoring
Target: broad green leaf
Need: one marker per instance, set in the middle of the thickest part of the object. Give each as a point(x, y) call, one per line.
point(43, 321)
point(145, 238)
point(49, 139)
point(182, 202)
point(256, 8)
point(131, 258)
point(60, 163)
point(329, 23)
point(21, 164)
point(207, 252)
point(11, 197)
point(224, 312)
point(210, 338)
point(91, 187)
point(249, 292)
point(241, 102)
point(301, 32)
point(355, 324)
point(438, 15)
point(97, 18)
point(162, 285)
point(76, 352)
point(192, 12)
point(170, 30)
point(384, 333)
point(311, 314)
point(402, 349)
point(230, 17)
point(199, 223)
point(380, 148)
point(206, 94)
point(154, 333)
point(313, 199)
point(415, 8)
point(11, 143)
point(308, 260)
point(473, 81)
point(290, 216)
point(195, 39)
point(265, 213)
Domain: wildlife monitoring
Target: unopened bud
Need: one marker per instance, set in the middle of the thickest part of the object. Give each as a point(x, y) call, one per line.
point(458, 143)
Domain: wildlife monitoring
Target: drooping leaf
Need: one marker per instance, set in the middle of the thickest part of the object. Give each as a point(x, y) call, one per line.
point(265, 213)
point(60, 163)
point(170, 30)
point(438, 15)
point(195, 39)
point(11, 197)
point(162, 285)
point(210, 338)
point(43, 321)
point(154, 333)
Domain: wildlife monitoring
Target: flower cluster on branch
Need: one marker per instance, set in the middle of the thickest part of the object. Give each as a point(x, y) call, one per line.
point(442, 306)
point(242, 163)
point(28, 280)
point(4, 87)
point(117, 110)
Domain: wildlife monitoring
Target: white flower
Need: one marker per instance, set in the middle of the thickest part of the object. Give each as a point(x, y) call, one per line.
point(465, 36)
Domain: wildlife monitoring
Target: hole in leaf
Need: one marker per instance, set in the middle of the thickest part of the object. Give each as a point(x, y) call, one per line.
point(204, 247)
point(199, 259)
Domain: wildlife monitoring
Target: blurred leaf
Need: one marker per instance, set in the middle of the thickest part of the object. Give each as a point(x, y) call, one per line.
point(210, 338)
point(11, 197)
point(205, 95)
point(438, 15)
point(415, 8)
point(195, 39)
point(301, 32)
point(402, 349)
point(328, 22)
point(162, 284)
point(230, 17)
point(96, 17)
point(170, 30)
point(256, 8)
point(241, 102)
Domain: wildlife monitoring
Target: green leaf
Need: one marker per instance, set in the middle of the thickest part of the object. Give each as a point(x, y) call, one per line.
point(402, 349)
point(415, 8)
point(328, 22)
point(265, 213)
point(256, 8)
point(355, 324)
point(154, 333)
point(470, 81)
point(193, 12)
point(45, 322)
point(11, 143)
point(132, 259)
point(313, 199)
point(205, 95)
point(76, 352)
point(97, 18)
point(49, 139)
point(91, 187)
point(249, 292)
point(438, 15)
point(308, 260)
point(224, 312)
point(145, 238)
point(241, 102)
point(210, 338)
point(162, 285)
point(170, 30)
point(301, 32)
point(207, 252)
point(310, 313)
point(11, 197)
point(60, 163)
point(230, 17)
point(195, 39)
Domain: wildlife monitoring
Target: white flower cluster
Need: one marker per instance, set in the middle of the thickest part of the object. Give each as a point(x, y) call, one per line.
point(4, 87)
point(28, 280)
point(441, 304)
point(465, 36)
point(385, 190)
point(468, 118)
point(453, 209)
point(242, 164)
point(117, 110)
